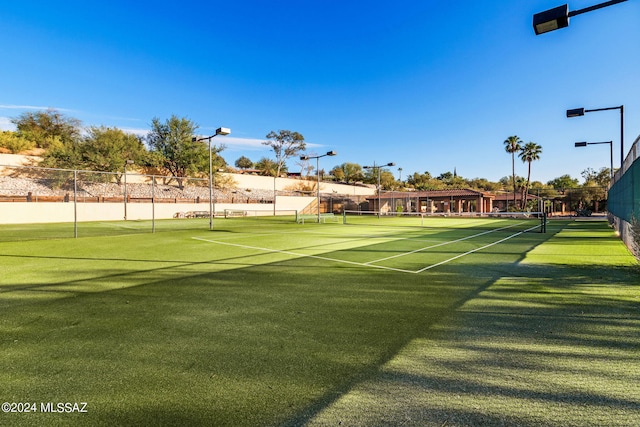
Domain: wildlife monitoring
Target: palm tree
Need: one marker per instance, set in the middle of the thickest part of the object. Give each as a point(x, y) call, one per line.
point(529, 153)
point(512, 145)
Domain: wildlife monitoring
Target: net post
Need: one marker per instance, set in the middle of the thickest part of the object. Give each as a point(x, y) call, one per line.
point(344, 216)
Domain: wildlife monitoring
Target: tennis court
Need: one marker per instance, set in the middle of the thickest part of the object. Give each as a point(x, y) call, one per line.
point(364, 321)
point(406, 244)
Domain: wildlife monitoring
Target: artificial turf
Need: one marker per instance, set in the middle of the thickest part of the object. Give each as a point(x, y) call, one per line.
point(173, 328)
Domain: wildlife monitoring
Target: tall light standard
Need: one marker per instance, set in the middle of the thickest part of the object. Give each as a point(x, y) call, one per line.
point(558, 17)
point(374, 167)
point(213, 204)
point(576, 112)
point(127, 162)
point(219, 131)
point(329, 153)
point(584, 144)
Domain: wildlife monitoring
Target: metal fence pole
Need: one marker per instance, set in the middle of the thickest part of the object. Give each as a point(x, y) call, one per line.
point(75, 204)
point(153, 204)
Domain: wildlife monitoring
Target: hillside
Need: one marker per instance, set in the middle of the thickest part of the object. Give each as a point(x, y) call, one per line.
point(236, 180)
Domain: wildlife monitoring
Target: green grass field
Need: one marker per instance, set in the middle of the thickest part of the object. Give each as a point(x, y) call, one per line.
point(441, 321)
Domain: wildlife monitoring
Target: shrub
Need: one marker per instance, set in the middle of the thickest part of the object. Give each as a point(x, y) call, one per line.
point(14, 143)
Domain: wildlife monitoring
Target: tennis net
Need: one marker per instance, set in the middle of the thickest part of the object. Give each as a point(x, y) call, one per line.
point(524, 221)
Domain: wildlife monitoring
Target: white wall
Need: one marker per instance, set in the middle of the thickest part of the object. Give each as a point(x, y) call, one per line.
point(27, 213)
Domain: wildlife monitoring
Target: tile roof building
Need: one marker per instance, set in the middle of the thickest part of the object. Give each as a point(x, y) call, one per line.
point(433, 201)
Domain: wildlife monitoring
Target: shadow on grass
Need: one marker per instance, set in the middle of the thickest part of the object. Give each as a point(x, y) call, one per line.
point(553, 345)
point(285, 342)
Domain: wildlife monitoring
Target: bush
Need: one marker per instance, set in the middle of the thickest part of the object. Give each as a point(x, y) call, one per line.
point(15, 144)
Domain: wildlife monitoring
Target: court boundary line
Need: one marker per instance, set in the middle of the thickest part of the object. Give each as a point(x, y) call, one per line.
point(475, 250)
point(380, 267)
point(443, 244)
point(299, 255)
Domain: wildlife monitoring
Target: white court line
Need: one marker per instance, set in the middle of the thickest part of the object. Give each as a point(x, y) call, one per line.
point(299, 255)
point(441, 244)
point(475, 250)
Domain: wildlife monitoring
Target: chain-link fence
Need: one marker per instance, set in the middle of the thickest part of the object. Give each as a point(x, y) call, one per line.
point(78, 203)
point(624, 199)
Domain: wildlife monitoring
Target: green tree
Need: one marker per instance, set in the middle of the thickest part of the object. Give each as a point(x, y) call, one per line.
point(419, 181)
point(594, 189)
point(600, 178)
point(14, 142)
point(338, 173)
point(267, 166)
point(589, 174)
point(48, 128)
point(483, 184)
point(387, 180)
point(102, 149)
point(244, 163)
point(519, 187)
point(285, 144)
point(63, 156)
point(348, 172)
point(563, 182)
point(445, 176)
point(512, 146)
point(603, 177)
point(543, 190)
point(107, 149)
point(176, 151)
point(451, 180)
point(529, 153)
point(426, 182)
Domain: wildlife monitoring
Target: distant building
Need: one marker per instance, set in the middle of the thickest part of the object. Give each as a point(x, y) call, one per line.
point(433, 201)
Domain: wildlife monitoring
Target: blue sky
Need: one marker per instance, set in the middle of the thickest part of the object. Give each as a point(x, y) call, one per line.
point(429, 85)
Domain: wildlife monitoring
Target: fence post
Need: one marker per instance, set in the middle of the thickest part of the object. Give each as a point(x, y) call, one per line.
point(75, 204)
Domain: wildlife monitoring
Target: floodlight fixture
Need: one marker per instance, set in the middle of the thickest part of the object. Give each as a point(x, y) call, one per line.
point(577, 112)
point(220, 131)
point(558, 17)
point(584, 144)
point(551, 19)
point(374, 167)
point(306, 157)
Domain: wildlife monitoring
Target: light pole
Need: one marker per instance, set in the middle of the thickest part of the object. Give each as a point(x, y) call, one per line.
point(213, 204)
point(374, 168)
point(127, 162)
point(219, 131)
point(558, 17)
point(584, 144)
point(329, 153)
point(576, 112)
